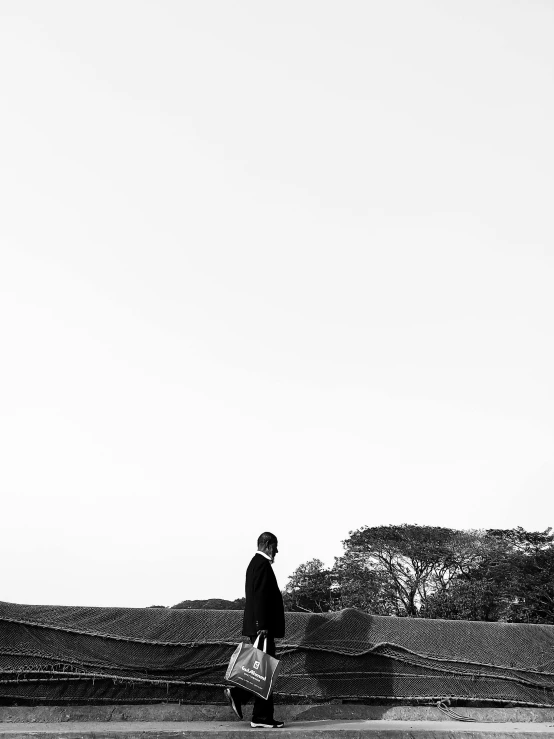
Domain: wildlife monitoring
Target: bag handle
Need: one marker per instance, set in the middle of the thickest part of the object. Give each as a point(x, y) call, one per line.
point(258, 641)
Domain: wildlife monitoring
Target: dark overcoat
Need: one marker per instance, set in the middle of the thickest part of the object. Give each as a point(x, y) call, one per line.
point(264, 603)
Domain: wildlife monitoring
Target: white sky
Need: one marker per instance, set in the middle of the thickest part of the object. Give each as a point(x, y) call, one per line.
point(267, 265)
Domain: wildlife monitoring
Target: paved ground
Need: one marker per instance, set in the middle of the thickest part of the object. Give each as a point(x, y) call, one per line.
point(311, 729)
point(157, 713)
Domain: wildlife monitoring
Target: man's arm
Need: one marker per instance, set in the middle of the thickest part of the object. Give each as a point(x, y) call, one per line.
point(261, 591)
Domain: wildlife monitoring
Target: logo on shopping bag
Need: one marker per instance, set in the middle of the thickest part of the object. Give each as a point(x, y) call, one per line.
point(251, 672)
point(256, 664)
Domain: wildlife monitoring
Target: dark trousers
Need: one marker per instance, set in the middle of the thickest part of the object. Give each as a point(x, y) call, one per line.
point(263, 709)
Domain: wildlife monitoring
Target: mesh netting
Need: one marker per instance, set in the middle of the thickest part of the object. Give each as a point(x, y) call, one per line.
point(71, 654)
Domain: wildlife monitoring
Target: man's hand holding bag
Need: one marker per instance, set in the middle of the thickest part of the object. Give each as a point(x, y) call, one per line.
point(253, 669)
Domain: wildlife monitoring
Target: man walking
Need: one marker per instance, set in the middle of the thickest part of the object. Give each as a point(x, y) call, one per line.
point(264, 616)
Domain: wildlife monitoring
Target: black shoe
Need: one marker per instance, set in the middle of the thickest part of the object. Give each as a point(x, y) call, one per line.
point(267, 724)
point(234, 705)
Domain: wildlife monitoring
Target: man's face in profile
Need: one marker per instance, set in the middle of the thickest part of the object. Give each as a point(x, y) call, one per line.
point(272, 549)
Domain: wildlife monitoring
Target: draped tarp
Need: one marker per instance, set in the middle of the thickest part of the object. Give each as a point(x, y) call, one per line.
point(76, 654)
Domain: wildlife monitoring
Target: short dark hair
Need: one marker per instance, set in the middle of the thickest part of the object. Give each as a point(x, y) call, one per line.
point(266, 538)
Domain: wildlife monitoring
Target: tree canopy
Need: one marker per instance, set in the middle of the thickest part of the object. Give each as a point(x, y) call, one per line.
point(434, 572)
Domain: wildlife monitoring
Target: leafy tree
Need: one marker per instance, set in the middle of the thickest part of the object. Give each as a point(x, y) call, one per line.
point(532, 588)
point(465, 600)
point(512, 581)
point(412, 561)
point(521, 563)
point(357, 586)
point(525, 542)
point(310, 588)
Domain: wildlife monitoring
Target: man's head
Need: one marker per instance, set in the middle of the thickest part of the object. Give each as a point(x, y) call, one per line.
point(267, 543)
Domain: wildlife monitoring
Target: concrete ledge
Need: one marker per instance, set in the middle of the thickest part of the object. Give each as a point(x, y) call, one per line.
point(172, 712)
point(312, 729)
